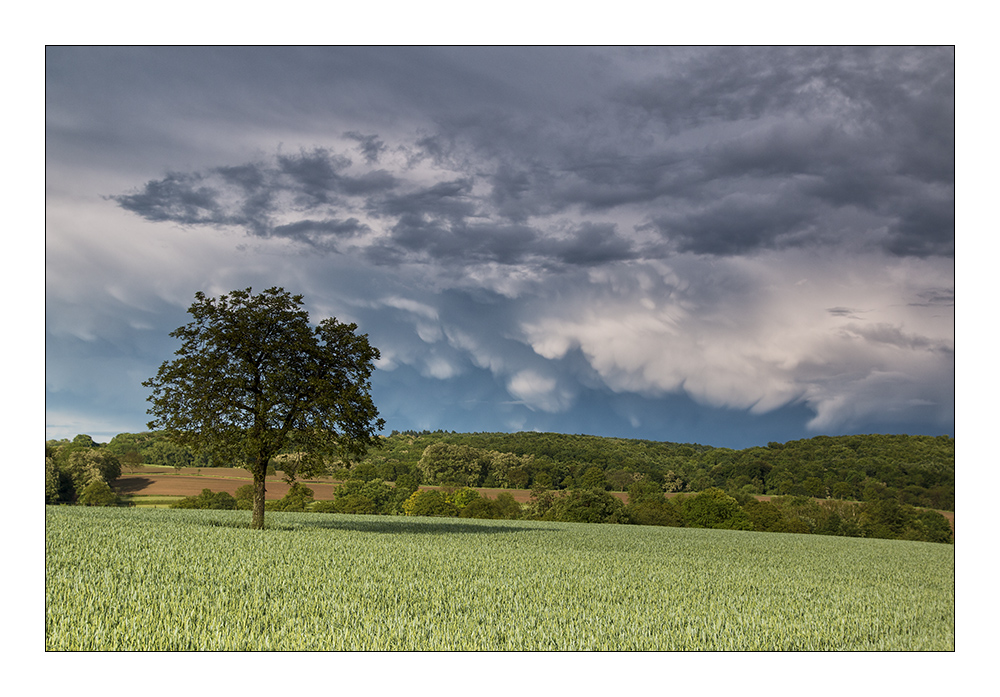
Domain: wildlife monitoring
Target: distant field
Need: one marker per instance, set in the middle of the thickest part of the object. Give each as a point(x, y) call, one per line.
point(121, 579)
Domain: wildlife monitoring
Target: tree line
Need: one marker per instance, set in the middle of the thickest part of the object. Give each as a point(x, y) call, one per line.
point(388, 483)
point(713, 508)
point(913, 470)
point(917, 471)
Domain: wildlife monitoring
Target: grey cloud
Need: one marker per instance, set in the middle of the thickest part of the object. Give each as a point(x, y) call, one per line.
point(249, 195)
point(936, 296)
point(845, 312)
point(723, 151)
point(592, 244)
point(925, 227)
point(893, 335)
point(179, 198)
point(736, 224)
point(318, 232)
point(449, 200)
point(371, 146)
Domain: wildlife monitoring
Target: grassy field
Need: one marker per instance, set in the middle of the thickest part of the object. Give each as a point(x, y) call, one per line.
point(120, 579)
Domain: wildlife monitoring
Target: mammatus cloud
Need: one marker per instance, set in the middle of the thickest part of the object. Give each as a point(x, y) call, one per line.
point(771, 345)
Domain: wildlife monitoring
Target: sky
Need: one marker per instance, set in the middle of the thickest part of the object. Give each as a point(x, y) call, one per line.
point(727, 246)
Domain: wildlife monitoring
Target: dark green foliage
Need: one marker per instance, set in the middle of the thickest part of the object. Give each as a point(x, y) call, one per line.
point(643, 491)
point(208, 500)
point(929, 526)
point(244, 497)
point(98, 493)
point(593, 478)
point(503, 507)
point(84, 441)
point(58, 485)
point(919, 470)
point(71, 466)
point(713, 508)
point(352, 503)
point(540, 502)
point(765, 516)
point(587, 506)
point(298, 499)
point(654, 512)
point(648, 506)
point(371, 497)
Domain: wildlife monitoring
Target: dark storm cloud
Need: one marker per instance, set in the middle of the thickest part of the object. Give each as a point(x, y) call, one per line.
point(721, 151)
point(735, 225)
point(724, 229)
point(371, 146)
point(592, 244)
point(252, 195)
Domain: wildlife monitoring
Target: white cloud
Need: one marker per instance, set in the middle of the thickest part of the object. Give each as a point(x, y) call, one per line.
point(744, 334)
point(417, 308)
point(539, 391)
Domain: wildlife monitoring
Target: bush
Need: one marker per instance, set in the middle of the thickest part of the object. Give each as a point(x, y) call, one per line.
point(244, 497)
point(365, 497)
point(765, 516)
point(503, 507)
point(587, 506)
point(654, 512)
point(298, 499)
point(221, 501)
point(354, 503)
point(429, 503)
point(713, 508)
point(98, 493)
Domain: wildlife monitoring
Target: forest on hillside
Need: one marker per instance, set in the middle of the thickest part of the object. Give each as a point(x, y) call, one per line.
point(859, 486)
point(913, 470)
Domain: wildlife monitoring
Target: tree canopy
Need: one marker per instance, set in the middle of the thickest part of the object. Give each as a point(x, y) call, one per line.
point(253, 376)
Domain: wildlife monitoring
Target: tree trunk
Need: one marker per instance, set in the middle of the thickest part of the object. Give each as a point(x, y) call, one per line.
point(259, 474)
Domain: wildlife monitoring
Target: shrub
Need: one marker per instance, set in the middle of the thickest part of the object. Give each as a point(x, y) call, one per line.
point(587, 506)
point(654, 512)
point(713, 508)
point(298, 499)
point(354, 503)
point(503, 507)
point(221, 501)
point(98, 493)
point(244, 497)
point(428, 503)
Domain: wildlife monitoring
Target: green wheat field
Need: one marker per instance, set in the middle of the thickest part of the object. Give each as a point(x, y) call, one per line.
point(157, 579)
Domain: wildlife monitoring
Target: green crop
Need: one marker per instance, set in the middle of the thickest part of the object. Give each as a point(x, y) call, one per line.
point(149, 579)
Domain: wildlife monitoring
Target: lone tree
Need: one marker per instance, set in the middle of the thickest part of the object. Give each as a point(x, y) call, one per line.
point(253, 376)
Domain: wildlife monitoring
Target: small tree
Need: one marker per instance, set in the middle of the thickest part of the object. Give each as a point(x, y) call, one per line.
point(429, 502)
point(98, 493)
point(714, 508)
point(253, 377)
point(132, 460)
point(90, 465)
point(298, 499)
point(593, 478)
point(587, 506)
